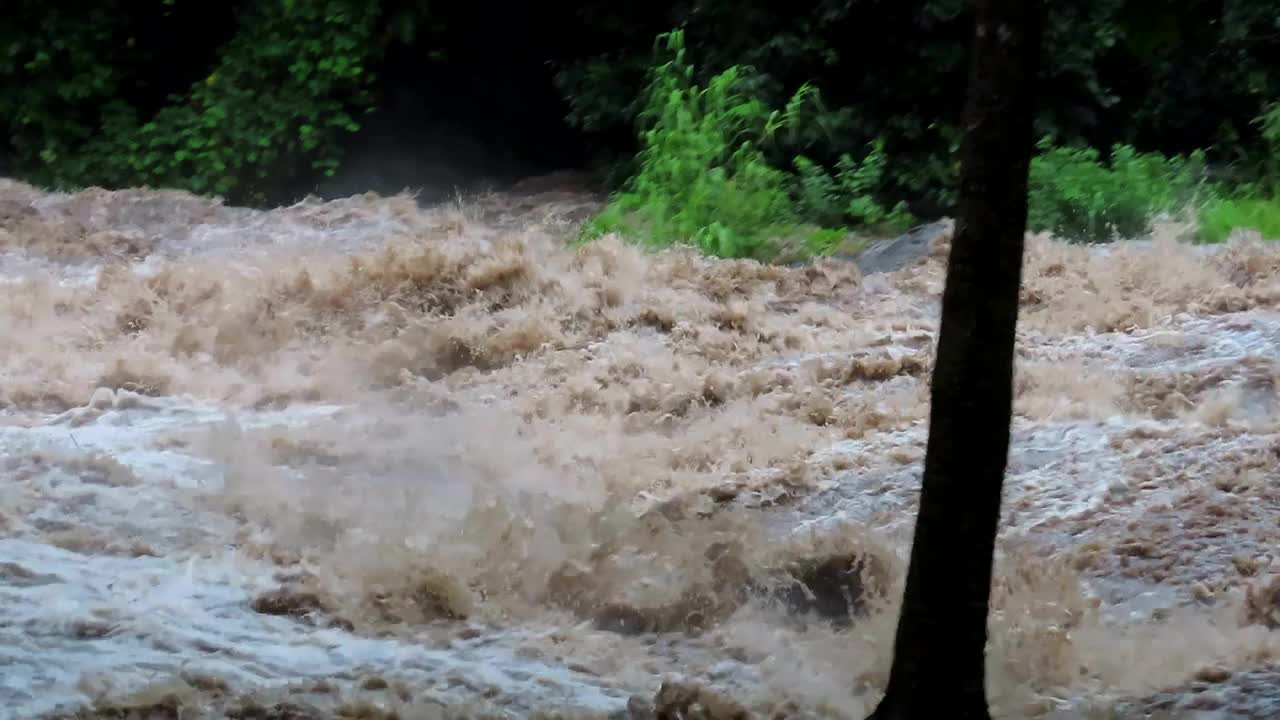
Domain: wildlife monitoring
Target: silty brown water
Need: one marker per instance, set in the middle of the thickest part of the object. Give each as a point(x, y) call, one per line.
point(360, 457)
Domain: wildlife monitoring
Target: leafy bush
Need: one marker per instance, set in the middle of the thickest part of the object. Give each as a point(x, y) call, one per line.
point(704, 177)
point(849, 194)
point(1218, 217)
point(282, 89)
point(1077, 196)
point(57, 69)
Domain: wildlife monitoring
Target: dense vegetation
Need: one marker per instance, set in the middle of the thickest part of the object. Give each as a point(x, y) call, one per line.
point(729, 125)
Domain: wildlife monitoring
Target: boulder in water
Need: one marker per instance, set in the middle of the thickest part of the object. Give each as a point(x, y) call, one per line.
point(918, 242)
point(930, 239)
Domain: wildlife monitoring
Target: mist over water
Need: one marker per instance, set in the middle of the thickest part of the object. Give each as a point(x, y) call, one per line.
point(363, 457)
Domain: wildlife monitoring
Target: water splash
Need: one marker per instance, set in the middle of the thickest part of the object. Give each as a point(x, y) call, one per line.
point(266, 456)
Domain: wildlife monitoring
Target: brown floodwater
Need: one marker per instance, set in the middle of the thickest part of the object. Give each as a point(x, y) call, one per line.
point(364, 459)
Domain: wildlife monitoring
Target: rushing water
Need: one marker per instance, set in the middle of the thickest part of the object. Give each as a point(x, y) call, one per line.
point(362, 459)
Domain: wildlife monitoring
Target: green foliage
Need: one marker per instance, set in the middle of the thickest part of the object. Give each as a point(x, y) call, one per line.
point(704, 177)
point(227, 133)
point(1268, 124)
point(849, 195)
point(53, 64)
point(105, 95)
point(825, 241)
point(1252, 201)
point(281, 91)
point(1219, 216)
point(1157, 76)
point(1078, 196)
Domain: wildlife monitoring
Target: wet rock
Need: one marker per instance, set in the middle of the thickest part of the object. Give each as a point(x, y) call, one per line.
point(299, 604)
point(931, 239)
point(686, 701)
point(289, 602)
point(627, 620)
point(89, 629)
point(918, 242)
point(1213, 674)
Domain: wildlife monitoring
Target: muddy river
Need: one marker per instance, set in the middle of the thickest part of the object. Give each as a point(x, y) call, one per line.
point(362, 459)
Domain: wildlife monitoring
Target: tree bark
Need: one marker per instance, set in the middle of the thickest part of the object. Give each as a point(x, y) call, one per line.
point(939, 651)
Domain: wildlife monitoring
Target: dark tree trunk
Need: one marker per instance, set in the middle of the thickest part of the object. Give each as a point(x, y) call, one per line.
point(939, 654)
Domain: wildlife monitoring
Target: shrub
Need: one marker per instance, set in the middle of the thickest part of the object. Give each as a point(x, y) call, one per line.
point(1219, 216)
point(849, 194)
point(282, 91)
point(1077, 196)
point(704, 177)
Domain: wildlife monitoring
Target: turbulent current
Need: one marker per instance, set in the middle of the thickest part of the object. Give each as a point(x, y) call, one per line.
point(361, 459)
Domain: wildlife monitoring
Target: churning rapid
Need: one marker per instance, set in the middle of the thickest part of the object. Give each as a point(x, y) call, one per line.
point(361, 459)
